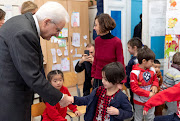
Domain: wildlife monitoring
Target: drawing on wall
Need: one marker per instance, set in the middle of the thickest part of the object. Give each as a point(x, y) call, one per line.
point(76, 39)
point(171, 44)
point(63, 33)
point(62, 42)
point(75, 22)
point(172, 3)
point(172, 22)
point(65, 64)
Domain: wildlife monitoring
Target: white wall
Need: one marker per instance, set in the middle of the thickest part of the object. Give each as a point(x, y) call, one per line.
point(13, 7)
point(92, 14)
point(125, 7)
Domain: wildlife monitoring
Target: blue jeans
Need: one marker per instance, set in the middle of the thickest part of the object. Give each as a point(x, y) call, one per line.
point(172, 117)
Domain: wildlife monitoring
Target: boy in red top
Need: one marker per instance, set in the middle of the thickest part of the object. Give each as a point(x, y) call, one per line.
point(143, 82)
point(171, 94)
point(58, 113)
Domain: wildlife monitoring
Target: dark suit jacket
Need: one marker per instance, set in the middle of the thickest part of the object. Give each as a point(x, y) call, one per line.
point(20, 69)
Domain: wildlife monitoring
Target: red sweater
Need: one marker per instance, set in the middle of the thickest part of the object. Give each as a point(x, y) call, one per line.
point(106, 51)
point(171, 94)
point(141, 82)
point(57, 113)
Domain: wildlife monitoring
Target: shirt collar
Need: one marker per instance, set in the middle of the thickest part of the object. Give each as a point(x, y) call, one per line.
point(37, 24)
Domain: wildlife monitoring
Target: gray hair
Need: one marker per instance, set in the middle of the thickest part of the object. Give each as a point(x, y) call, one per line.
point(52, 10)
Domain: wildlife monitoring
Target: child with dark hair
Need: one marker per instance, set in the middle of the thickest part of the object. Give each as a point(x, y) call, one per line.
point(143, 82)
point(107, 102)
point(134, 45)
point(156, 66)
point(169, 94)
point(56, 112)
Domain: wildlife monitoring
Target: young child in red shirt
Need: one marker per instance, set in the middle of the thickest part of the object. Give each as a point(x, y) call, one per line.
point(56, 112)
point(143, 82)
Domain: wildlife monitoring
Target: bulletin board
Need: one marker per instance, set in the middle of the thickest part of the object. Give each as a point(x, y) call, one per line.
point(73, 50)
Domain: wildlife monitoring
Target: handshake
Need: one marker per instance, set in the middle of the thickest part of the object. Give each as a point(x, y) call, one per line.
point(66, 100)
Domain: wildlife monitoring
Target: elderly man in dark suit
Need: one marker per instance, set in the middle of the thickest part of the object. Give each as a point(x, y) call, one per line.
point(21, 62)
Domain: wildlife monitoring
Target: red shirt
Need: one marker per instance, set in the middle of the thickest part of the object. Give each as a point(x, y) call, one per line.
point(106, 51)
point(57, 113)
point(103, 102)
point(171, 94)
point(141, 82)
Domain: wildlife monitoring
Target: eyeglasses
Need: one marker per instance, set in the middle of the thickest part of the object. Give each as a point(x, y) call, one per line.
point(57, 28)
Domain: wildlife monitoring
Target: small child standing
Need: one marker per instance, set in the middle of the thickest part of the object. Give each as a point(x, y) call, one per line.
point(143, 82)
point(134, 45)
point(171, 78)
point(156, 66)
point(107, 102)
point(58, 113)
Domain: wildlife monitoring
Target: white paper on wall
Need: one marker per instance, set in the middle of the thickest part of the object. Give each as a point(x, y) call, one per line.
point(65, 52)
point(65, 64)
point(76, 39)
point(59, 52)
point(75, 22)
point(157, 18)
point(56, 67)
point(53, 52)
point(173, 22)
point(75, 62)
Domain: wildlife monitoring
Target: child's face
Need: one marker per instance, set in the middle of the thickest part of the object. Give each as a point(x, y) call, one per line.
point(148, 63)
point(57, 81)
point(105, 82)
point(156, 67)
point(131, 49)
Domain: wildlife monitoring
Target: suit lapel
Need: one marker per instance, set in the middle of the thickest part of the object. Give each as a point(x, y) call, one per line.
point(31, 19)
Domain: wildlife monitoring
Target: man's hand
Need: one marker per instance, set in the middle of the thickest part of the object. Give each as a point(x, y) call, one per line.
point(90, 59)
point(66, 100)
point(84, 58)
point(112, 110)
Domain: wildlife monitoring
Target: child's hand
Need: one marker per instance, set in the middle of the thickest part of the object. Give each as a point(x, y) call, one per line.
point(145, 112)
point(112, 110)
point(154, 89)
point(77, 113)
point(151, 94)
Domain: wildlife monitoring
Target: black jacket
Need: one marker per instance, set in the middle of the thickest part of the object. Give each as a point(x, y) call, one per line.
point(20, 69)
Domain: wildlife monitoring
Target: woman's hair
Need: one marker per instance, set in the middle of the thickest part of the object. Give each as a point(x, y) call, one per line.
point(28, 6)
point(106, 22)
point(54, 72)
point(135, 42)
point(176, 58)
point(114, 72)
point(2, 14)
point(145, 53)
point(54, 11)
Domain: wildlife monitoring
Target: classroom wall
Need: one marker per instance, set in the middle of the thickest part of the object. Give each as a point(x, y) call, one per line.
point(136, 10)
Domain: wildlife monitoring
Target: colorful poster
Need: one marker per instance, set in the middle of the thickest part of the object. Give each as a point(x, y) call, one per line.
point(173, 5)
point(75, 19)
point(65, 64)
point(62, 42)
point(172, 23)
